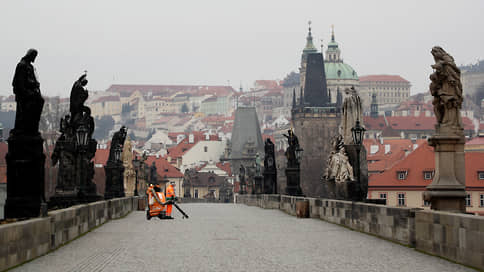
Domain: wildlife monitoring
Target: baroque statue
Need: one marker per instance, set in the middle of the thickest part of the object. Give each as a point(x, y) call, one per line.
point(352, 111)
point(26, 88)
point(339, 167)
point(290, 153)
point(257, 164)
point(74, 151)
point(117, 142)
point(446, 88)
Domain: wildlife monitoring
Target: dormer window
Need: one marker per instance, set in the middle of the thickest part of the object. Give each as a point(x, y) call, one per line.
point(428, 175)
point(480, 174)
point(401, 175)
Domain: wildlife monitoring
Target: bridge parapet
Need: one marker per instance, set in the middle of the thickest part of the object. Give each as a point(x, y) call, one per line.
point(25, 240)
point(454, 236)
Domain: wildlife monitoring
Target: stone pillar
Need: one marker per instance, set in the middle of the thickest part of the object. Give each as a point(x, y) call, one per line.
point(258, 184)
point(293, 187)
point(25, 177)
point(447, 190)
point(114, 180)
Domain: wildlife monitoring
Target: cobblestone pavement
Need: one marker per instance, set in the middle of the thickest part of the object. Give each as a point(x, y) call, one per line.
point(228, 237)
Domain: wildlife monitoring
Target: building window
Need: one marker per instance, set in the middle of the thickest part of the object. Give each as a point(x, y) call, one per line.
point(401, 175)
point(426, 203)
point(468, 200)
point(205, 148)
point(196, 193)
point(428, 175)
point(383, 195)
point(481, 175)
point(401, 199)
point(481, 202)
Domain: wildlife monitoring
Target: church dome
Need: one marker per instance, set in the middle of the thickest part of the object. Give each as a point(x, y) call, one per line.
point(339, 70)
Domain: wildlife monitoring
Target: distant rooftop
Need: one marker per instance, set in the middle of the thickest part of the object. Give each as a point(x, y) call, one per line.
point(388, 78)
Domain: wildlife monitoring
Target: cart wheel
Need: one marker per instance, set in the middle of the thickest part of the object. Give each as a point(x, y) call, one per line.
point(148, 216)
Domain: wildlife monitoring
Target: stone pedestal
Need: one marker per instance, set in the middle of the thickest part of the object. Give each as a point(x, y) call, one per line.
point(447, 190)
point(258, 186)
point(270, 183)
point(293, 187)
point(114, 180)
point(25, 177)
point(357, 190)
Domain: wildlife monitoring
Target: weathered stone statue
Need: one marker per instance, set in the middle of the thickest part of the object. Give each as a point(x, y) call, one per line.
point(270, 174)
point(114, 168)
point(25, 157)
point(293, 145)
point(242, 181)
point(293, 171)
point(74, 151)
point(26, 88)
point(258, 163)
point(352, 111)
point(446, 88)
point(129, 172)
point(339, 168)
point(78, 96)
point(447, 190)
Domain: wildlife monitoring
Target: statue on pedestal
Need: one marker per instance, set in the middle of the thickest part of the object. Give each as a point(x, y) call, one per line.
point(74, 151)
point(25, 158)
point(352, 111)
point(270, 174)
point(293, 145)
point(446, 88)
point(114, 168)
point(447, 190)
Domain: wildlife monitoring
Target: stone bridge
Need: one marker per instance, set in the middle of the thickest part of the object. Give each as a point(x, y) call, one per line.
point(217, 237)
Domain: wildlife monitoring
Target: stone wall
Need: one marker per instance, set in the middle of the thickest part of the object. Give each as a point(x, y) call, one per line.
point(25, 240)
point(457, 237)
point(314, 131)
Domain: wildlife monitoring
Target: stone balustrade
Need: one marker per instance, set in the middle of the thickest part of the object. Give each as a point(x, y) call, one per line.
point(25, 240)
point(454, 236)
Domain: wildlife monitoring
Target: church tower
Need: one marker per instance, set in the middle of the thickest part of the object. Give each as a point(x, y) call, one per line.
point(314, 119)
point(374, 106)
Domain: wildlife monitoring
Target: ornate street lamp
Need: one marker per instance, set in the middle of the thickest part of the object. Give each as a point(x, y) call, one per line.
point(82, 136)
point(299, 154)
point(117, 153)
point(136, 165)
point(358, 132)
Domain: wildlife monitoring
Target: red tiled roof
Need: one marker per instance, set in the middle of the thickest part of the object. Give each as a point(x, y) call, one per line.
point(225, 166)
point(163, 168)
point(380, 161)
point(267, 84)
point(102, 156)
point(420, 122)
point(423, 159)
point(371, 123)
point(474, 163)
point(476, 141)
point(179, 150)
point(389, 78)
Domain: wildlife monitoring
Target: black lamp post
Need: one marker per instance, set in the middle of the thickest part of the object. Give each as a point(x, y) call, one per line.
point(358, 132)
point(81, 144)
point(136, 164)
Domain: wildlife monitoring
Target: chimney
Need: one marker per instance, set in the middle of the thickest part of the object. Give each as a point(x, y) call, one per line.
point(191, 139)
point(387, 148)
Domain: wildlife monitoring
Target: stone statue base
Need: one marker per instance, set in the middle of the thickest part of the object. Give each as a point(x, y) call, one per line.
point(447, 190)
point(270, 184)
point(114, 180)
point(258, 180)
point(293, 187)
point(25, 177)
point(360, 186)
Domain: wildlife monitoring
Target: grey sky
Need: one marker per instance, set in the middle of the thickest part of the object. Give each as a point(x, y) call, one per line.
point(216, 41)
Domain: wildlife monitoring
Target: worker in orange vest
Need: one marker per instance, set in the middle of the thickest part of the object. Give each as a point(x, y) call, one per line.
point(170, 198)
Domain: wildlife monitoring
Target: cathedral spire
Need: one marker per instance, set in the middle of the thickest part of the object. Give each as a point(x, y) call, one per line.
point(309, 42)
point(332, 33)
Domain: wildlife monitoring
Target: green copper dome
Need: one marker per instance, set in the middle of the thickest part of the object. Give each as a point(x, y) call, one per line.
point(339, 70)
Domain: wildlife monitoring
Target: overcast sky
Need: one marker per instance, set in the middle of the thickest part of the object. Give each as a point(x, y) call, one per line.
point(219, 42)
